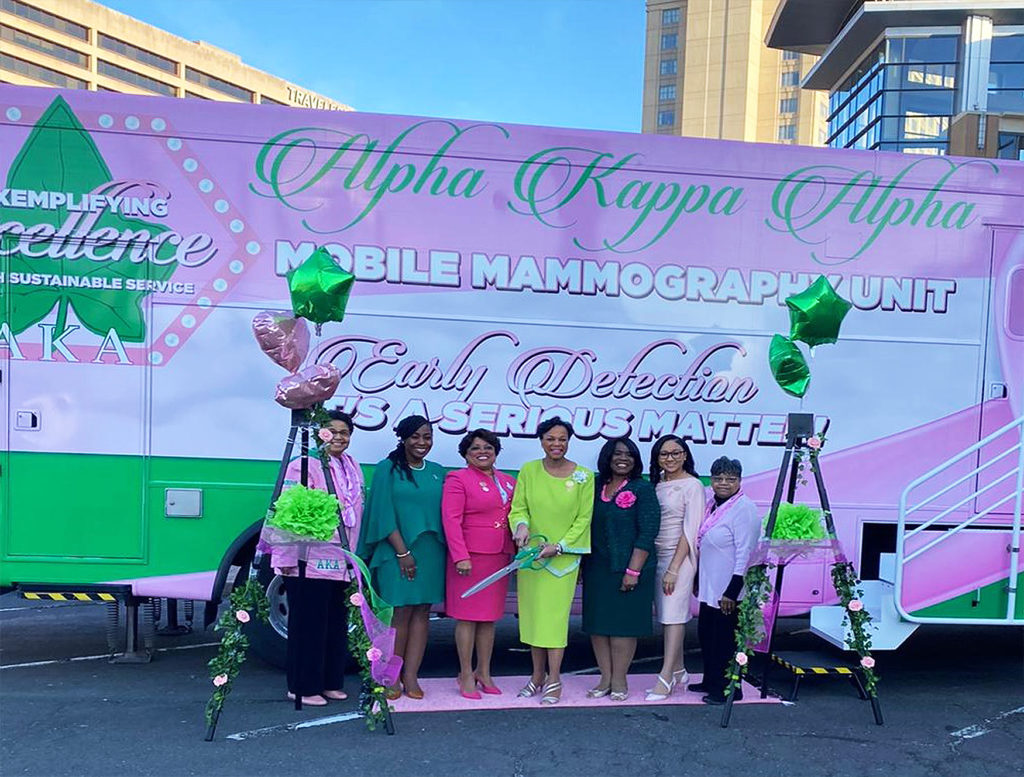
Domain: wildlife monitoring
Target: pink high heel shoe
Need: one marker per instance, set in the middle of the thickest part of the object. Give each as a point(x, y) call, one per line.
point(493, 690)
point(474, 695)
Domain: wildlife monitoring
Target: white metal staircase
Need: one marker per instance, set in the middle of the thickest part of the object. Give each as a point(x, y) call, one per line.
point(891, 623)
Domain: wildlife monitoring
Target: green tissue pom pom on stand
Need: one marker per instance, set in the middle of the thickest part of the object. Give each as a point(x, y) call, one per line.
point(308, 512)
point(798, 522)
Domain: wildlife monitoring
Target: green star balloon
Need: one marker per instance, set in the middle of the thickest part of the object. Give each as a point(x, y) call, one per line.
point(816, 313)
point(788, 366)
point(320, 288)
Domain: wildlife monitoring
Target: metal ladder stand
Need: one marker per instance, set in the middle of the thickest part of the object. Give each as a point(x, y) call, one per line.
point(799, 428)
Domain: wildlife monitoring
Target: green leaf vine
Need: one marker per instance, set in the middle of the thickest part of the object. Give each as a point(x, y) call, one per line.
point(847, 585)
point(750, 625)
point(373, 699)
point(245, 603)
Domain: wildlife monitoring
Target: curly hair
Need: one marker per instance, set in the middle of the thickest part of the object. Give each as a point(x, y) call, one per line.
point(604, 459)
point(482, 434)
point(405, 429)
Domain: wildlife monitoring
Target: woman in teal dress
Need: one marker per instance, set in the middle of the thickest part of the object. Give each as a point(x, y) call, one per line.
point(618, 575)
point(554, 497)
point(403, 542)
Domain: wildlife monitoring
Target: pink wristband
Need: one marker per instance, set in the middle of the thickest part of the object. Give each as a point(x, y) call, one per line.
point(632, 572)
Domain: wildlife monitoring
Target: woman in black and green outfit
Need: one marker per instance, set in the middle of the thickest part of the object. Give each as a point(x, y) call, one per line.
point(618, 575)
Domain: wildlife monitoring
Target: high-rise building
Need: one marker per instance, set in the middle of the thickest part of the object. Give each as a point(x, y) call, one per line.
point(77, 44)
point(918, 76)
point(708, 73)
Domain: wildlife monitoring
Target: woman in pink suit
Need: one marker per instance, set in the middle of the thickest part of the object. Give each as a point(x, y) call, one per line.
point(474, 511)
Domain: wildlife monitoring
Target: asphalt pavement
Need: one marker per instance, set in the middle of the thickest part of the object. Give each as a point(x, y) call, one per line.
point(953, 700)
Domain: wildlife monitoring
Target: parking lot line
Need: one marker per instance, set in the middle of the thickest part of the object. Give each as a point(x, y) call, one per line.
point(29, 664)
point(980, 729)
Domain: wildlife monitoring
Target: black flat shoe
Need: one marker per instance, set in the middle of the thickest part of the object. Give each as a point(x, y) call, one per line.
point(697, 688)
point(714, 700)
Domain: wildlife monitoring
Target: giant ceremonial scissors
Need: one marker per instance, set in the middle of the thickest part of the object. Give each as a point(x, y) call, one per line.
point(527, 557)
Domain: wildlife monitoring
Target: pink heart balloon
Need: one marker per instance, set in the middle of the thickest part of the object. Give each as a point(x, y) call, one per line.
point(303, 389)
point(282, 337)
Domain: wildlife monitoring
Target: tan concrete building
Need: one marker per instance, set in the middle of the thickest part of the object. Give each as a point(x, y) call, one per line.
point(77, 44)
point(708, 73)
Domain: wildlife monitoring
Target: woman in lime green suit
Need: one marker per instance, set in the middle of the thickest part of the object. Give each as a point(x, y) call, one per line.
point(554, 497)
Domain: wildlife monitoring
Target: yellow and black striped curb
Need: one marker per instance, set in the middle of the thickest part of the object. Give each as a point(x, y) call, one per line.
point(67, 596)
point(795, 669)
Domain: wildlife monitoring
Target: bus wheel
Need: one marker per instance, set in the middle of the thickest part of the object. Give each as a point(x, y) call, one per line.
point(270, 640)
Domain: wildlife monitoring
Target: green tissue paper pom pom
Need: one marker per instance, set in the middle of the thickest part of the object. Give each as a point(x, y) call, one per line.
point(798, 522)
point(308, 512)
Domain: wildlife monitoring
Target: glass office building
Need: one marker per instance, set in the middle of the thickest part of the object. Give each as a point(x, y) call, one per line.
point(902, 95)
point(899, 75)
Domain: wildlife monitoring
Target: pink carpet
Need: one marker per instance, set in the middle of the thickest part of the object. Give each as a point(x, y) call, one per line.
point(442, 695)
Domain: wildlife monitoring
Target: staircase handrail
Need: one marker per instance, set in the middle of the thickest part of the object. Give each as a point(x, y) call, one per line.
point(902, 534)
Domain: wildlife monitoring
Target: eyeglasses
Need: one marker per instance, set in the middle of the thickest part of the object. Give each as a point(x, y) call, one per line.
point(726, 479)
point(671, 454)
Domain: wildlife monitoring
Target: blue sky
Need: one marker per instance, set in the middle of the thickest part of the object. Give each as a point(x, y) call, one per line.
point(569, 63)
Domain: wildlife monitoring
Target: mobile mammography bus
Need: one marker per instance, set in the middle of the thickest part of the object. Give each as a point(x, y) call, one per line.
point(504, 273)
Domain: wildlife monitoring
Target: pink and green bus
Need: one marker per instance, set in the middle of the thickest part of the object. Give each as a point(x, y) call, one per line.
point(504, 273)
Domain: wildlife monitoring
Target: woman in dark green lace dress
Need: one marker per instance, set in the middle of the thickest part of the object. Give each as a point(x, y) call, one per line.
point(619, 574)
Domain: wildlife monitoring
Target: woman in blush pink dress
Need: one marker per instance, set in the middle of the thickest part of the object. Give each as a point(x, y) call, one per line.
point(474, 510)
point(681, 495)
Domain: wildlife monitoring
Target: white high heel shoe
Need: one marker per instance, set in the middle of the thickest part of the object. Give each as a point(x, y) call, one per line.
point(681, 677)
point(653, 695)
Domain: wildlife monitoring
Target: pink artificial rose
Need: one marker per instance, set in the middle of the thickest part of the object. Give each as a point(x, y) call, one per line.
point(325, 435)
point(625, 499)
point(220, 680)
point(357, 599)
point(374, 654)
point(867, 662)
point(242, 616)
point(814, 443)
point(741, 658)
point(855, 605)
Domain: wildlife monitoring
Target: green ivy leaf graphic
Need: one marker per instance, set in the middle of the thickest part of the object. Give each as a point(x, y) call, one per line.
point(60, 156)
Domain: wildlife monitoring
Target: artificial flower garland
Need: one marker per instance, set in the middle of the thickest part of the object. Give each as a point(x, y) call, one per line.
point(750, 622)
point(750, 629)
point(373, 700)
point(850, 597)
point(244, 603)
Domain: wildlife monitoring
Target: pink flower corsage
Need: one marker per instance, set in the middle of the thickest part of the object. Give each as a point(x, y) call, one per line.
point(625, 499)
